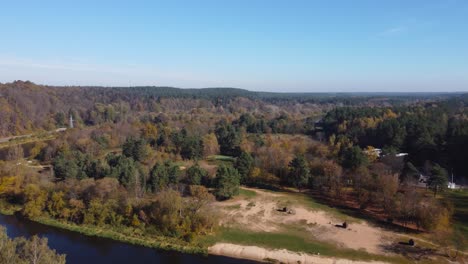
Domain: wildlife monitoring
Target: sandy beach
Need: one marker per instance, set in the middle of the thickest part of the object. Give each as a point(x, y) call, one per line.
point(282, 255)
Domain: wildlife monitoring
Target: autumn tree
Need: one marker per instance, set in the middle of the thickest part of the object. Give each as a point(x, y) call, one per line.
point(325, 175)
point(7, 185)
point(150, 133)
point(15, 153)
point(200, 197)
point(199, 210)
point(24, 251)
point(371, 153)
point(210, 145)
point(386, 187)
point(365, 186)
point(35, 201)
point(167, 211)
point(56, 204)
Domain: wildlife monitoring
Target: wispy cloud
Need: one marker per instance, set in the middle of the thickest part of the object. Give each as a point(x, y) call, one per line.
point(66, 71)
point(393, 31)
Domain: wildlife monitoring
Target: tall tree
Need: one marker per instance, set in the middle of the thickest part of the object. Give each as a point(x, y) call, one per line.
point(127, 171)
point(15, 153)
point(353, 158)
point(195, 174)
point(161, 175)
point(64, 167)
point(192, 148)
point(410, 173)
point(227, 182)
point(438, 181)
point(135, 148)
point(244, 164)
point(299, 172)
point(229, 139)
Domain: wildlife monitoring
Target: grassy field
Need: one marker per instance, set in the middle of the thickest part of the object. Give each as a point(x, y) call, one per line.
point(459, 199)
point(220, 159)
point(248, 194)
point(305, 199)
point(27, 139)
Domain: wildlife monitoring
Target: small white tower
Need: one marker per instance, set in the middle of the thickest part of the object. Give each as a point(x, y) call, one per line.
point(452, 185)
point(71, 121)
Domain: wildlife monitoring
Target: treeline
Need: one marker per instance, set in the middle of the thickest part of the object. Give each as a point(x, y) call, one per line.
point(27, 251)
point(26, 107)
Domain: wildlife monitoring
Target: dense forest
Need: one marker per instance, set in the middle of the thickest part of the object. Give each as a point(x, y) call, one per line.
point(434, 132)
point(27, 107)
point(148, 162)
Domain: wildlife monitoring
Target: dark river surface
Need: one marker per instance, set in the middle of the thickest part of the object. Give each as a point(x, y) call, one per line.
point(94, 250)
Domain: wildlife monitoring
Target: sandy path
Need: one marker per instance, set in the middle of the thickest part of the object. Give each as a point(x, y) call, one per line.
point(282, 255)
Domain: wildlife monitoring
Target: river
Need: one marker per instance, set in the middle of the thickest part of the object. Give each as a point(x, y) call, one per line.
point(94, 250)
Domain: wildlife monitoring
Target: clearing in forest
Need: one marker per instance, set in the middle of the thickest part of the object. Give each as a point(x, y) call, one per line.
point(265, 212)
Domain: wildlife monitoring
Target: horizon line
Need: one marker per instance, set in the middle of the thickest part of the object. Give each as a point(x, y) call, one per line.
point(238, 88)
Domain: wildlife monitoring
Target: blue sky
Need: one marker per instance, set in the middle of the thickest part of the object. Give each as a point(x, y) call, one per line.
point(299, 46)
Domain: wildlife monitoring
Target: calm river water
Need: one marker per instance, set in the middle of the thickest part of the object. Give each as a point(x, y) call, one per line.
point(93, 250)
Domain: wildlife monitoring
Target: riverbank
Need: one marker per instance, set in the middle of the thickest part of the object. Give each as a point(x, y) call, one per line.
point(278, 255)
point(8, 209)
point(253, 253)
point(81, 248)
point(240, 244)
point(127, 235)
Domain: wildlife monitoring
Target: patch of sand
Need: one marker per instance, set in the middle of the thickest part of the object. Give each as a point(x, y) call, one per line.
point(260, 213)
point(282, 255)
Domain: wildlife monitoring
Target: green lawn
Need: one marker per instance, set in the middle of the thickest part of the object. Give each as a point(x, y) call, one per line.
point(247, 193)
point(460, 216)
point(220, 159)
